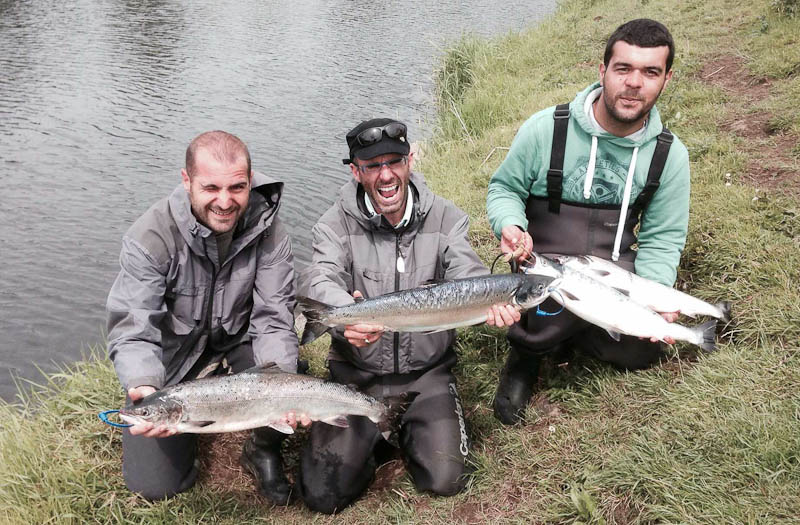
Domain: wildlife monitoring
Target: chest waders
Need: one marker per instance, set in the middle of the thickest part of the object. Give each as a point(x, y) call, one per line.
point(571, 228)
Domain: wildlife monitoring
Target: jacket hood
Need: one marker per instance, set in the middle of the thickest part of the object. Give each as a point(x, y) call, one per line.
point(265, 195)
point(652, 130)
point(351, 200)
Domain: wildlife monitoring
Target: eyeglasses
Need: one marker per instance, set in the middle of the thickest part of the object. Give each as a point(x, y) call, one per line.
point(393, 130)
point(375, 167)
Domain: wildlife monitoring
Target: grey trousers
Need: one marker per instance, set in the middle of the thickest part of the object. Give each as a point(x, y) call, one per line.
point(159, 468)
point(337, 464)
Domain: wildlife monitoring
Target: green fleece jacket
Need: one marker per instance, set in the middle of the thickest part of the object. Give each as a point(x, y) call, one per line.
point(664, 224)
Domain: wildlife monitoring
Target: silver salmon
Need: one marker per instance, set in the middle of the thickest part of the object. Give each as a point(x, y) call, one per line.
point(260, 397)
point(652, 294)
point(608, 308)
point(432, 308)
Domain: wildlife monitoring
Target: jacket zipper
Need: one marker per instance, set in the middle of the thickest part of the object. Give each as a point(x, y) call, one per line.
point(396, 289)
point(212, 292)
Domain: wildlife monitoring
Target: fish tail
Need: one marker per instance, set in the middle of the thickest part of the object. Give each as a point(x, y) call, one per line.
point(707, 333)
point(314, 311)
point(725, 309)
point(396, 406)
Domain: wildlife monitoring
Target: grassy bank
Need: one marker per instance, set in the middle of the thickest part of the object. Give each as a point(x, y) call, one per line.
point(701, 439)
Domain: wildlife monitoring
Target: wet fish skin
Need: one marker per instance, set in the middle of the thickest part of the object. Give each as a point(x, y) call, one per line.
point(606, 307)
point(655, 295)
point(432, 308)
point(261, 397)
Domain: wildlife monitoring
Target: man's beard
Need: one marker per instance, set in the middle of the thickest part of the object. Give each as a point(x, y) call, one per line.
point(616, 115)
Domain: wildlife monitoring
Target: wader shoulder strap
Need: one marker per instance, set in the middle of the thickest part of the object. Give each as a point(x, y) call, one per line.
point(555, 174)
point(663, 143)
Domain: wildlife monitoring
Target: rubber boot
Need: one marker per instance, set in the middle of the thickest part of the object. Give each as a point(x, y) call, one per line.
point(515, 387)
point(261, 456)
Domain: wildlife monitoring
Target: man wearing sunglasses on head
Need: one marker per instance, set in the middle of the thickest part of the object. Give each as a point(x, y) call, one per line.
point(388, 232)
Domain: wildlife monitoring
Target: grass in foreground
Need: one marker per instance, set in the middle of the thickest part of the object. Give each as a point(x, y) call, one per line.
point(708, 439)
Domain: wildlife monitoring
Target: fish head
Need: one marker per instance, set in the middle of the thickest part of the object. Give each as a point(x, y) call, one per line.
point(541, 265)
point(533, 290)
point(156, 410)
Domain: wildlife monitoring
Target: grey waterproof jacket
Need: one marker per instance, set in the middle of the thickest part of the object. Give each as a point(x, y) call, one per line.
point(356, 251)
point(173, 295)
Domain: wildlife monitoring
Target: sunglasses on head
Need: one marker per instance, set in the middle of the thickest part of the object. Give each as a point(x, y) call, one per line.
point(393, 130)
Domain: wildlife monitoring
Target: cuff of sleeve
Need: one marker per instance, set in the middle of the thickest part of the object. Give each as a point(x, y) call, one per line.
point(154, 381)
point(511, 220)
point(286, 366)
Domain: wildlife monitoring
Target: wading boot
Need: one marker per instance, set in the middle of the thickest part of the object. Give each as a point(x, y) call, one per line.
point(261, 456)
point(515, 387)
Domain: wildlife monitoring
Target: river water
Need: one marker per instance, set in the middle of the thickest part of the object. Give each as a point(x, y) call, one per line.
point(99, 99)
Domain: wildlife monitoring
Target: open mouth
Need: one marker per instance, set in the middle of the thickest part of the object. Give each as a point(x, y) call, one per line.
point(389, 192)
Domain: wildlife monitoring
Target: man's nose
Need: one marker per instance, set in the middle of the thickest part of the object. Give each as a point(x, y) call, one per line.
point(224, 199)
point(634, 78)
point(386, 172)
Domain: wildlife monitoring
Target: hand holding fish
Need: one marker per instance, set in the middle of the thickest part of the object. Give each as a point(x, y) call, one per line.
point(146, 428)
point(361, 335)
point(293, 419)
point(669, 317)
point(515, 243)
point(503, 315)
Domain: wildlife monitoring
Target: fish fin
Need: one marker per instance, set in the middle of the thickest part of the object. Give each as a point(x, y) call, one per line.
point(314, 311)
point(337, 421)
point(198, 424)
point(601, 273)
point(436, 331)
point(725, 308)
point(708, 332)
point(396, 406)
point(568, 295)
point(623, 291)
point(281, 426)
point(312, 331)
point(434, 282)
point(614, 335)
point(264, 368)
point(311, 307)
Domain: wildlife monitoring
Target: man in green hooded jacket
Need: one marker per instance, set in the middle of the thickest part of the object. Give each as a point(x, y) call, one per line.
point(579, 179)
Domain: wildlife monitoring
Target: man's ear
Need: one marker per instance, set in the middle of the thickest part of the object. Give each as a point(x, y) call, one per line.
point(667, 78)
point(602, 71)
point(187, 183)
point(411, 159)
point(356, 172)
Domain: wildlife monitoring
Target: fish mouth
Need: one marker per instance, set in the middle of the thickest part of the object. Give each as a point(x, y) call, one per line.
point(130, 418)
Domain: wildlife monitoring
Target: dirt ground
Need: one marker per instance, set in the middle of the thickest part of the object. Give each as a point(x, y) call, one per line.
point(771, 164)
